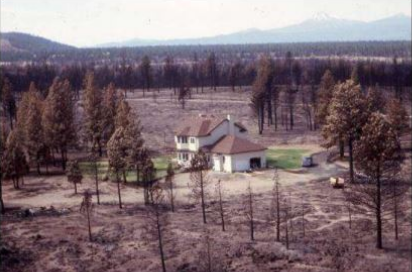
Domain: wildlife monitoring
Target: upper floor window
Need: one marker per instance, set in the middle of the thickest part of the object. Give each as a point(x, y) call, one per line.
point(192, 140)
point(182, 139)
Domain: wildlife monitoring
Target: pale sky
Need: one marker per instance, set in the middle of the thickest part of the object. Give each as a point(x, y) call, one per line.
point(91, 22)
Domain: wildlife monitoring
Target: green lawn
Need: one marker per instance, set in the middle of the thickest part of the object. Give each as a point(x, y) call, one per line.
point(160, 163)
point(285, 158)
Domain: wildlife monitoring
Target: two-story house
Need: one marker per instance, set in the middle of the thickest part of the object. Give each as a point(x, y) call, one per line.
point(223, 140)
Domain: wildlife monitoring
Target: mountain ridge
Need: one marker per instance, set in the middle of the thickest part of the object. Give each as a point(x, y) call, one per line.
point(23, 42)
point(321, 28)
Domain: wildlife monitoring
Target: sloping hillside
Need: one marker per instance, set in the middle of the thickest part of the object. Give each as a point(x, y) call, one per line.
point(20, 42)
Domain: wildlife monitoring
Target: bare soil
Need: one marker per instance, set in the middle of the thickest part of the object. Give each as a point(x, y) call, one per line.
point(43, 229)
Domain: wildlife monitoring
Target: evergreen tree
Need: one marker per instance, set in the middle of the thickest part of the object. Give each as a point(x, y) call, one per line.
point(146, 73)
point(58, 118)
point(14, 164)
point(149, 176)
point(375, 100)
point(212, 72)
point(170, 184)
point(135, 157)
point(3, 138)
point(123, 113)
point(262, 92)
point(93, 113)
point(325, 94)
point(8, 102)
point(170, 73)
point(234, 74)
point(378, 157)
point(110, 103)
point(117, 152)
point(199, 170)
point(347, 114)
point(33, 128)
point(86, 208)
point(397, 116)
point(74, 174)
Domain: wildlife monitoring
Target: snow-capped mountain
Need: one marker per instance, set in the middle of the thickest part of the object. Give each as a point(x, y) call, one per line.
point(321, 27)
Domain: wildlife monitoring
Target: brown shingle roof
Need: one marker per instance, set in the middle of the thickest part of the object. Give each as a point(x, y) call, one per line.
point(201, 126)
point(230, 144)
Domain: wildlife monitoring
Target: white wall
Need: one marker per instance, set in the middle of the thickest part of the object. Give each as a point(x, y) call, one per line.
point(216, 134)
point(241, 162)
point(221, 130)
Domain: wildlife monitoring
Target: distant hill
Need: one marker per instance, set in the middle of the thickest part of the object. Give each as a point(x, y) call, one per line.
point(321, 28)
point(21, 42)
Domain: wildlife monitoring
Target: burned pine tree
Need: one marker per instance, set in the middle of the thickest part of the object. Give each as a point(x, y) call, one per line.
point(325, 94)
point(378, 158)
point(170, 73)
point(184, 93)
point(93, 113)
point(212, 71)
point(8, 101)
point(262, 93)
point(146, 74)
point(211, 254)
point(94, 171)
point(110, 101)
point(74, 174)
point(397, 116)
point(86, 208)
point(13, 161)
point(170, 185)
point(399, 203)
point(148, 179)
point(276, 199)
point(157, 221)
point(347, 115)
point(116, 153)
point(221, 209)
point(58, 119)
point(249, 211)
point(199, 170)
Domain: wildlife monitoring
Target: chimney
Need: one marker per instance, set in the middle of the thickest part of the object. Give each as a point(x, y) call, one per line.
point(231, 124)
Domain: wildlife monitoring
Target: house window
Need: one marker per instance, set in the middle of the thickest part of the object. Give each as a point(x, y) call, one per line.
point(184, 139)
point(184, 156)
point(223, 159)
point(192, 140)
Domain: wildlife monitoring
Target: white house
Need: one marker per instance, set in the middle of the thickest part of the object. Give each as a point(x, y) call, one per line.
point(223, 140)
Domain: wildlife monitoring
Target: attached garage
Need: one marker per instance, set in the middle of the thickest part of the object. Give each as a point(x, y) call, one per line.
point(232, 154)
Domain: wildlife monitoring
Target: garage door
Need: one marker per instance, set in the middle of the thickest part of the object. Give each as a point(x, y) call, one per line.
point(242, 165)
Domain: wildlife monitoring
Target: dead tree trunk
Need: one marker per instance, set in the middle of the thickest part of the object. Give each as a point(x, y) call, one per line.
point(221, 210)
point(89, 225)
point(3, 210)
point(96, 179)
point(159, 233)
point(250, 213)
point(118, 189)
point(202, 193)
point(378, 213)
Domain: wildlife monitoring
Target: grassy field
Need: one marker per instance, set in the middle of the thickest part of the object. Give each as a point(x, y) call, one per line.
point(285, 158)
point(160, 163)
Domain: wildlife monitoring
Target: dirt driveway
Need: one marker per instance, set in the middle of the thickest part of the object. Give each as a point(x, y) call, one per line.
point(56, 191)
